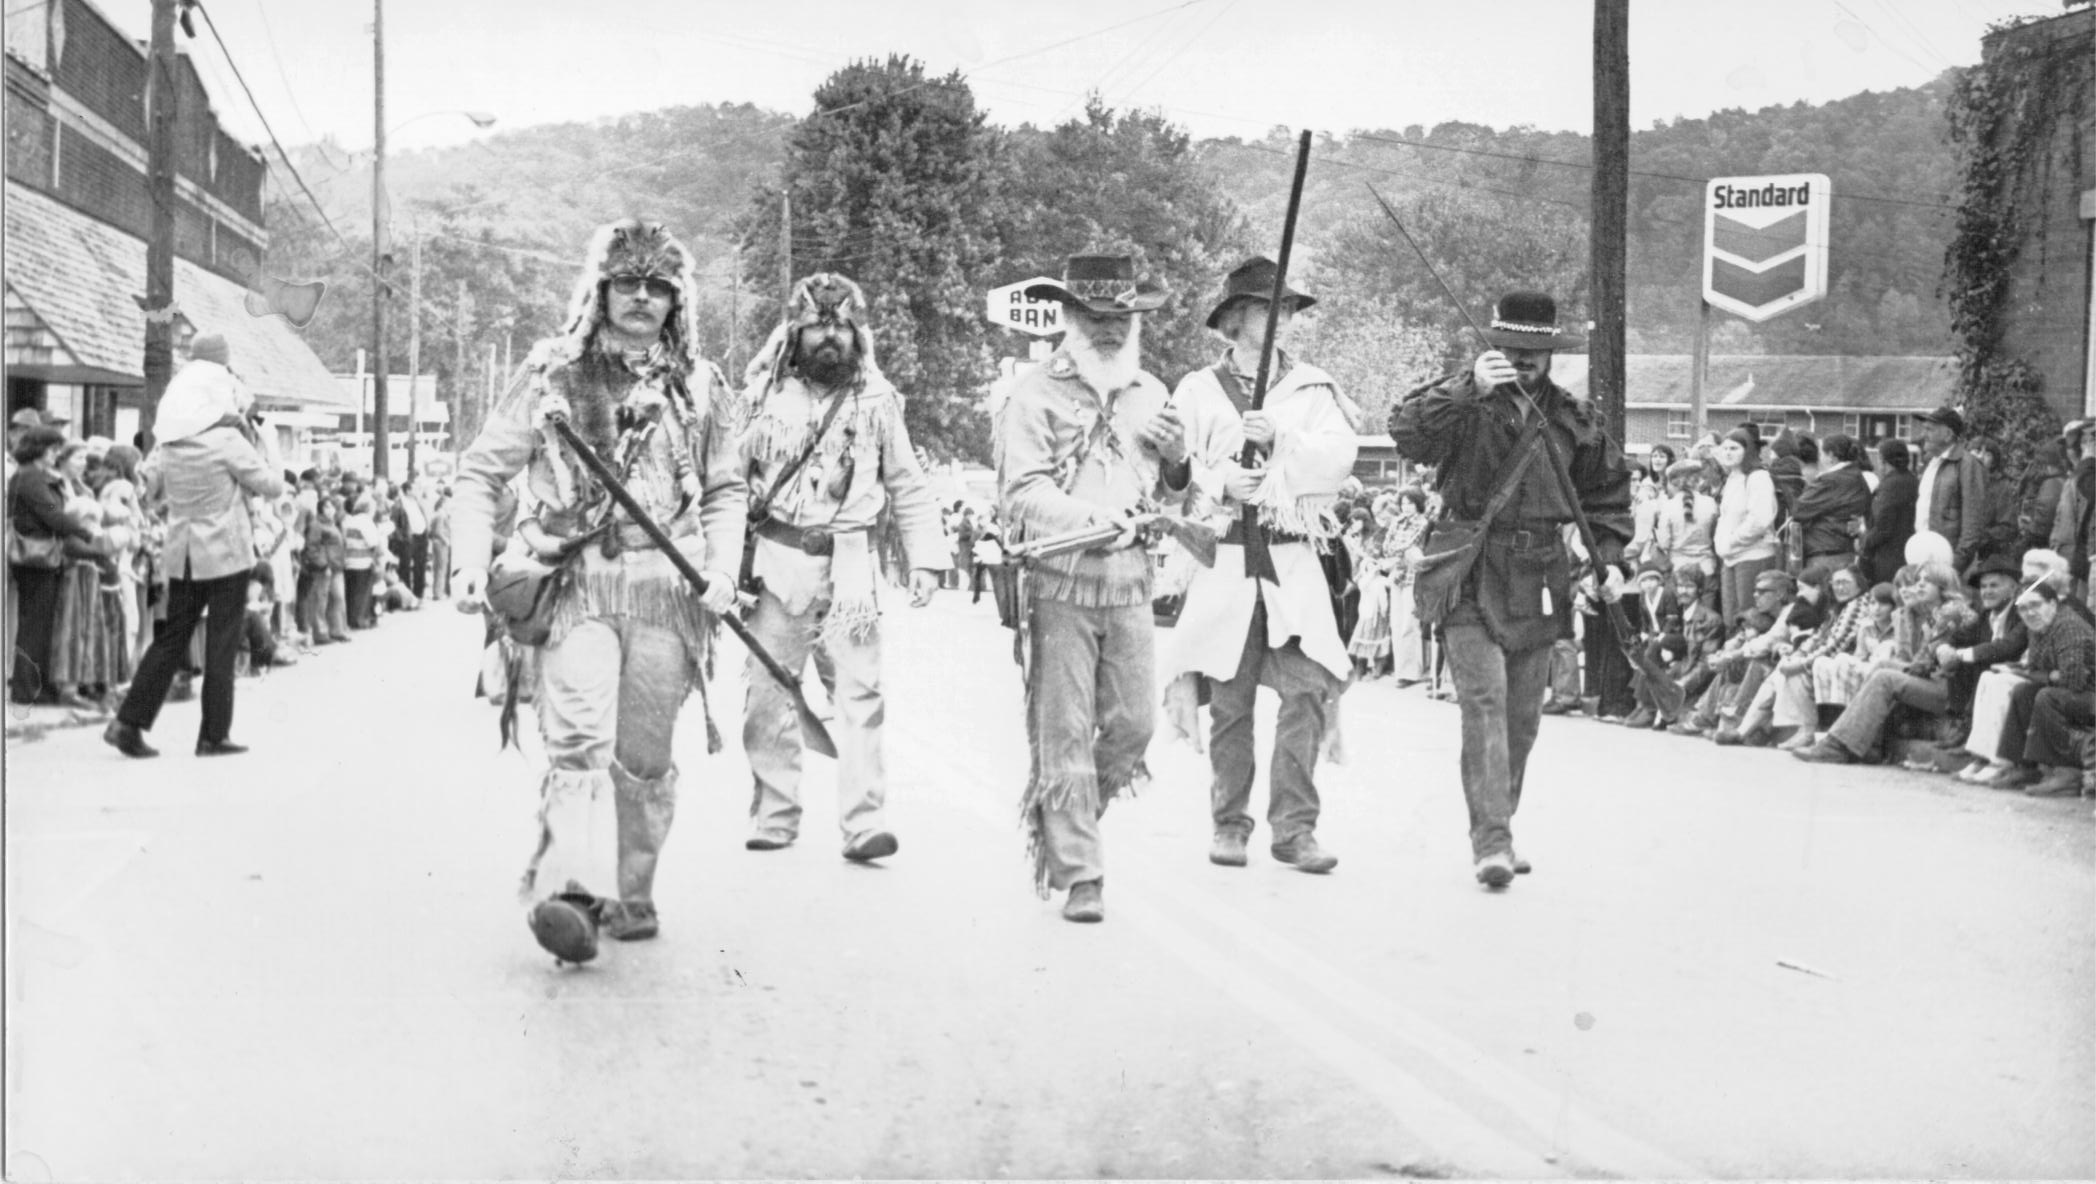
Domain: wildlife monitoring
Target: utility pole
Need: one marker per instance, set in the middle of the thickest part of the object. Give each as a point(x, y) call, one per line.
point(380, 444)
point(785, 255)
point(414, 353)
point(735, 317)
point(160, 187)
point(1698, 366)
point(1611, 208)
point(458, 369)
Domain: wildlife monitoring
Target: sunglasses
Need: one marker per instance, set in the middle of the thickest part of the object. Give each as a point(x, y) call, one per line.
point(630, 285)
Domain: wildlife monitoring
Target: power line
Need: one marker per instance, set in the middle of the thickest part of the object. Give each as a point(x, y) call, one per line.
point(1652, 173)
point(249, 92)
point(270, 37)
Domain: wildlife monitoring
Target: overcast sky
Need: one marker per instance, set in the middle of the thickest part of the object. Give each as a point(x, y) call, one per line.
point(1219, 67)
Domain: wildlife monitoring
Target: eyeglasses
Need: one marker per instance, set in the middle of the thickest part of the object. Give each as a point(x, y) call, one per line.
point(630, 285)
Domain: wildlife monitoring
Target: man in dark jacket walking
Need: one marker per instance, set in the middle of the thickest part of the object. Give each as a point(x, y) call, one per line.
point(1515, 601)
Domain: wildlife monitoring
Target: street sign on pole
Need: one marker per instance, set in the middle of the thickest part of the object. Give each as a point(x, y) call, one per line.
point(1009, 306)
point(1765, 243)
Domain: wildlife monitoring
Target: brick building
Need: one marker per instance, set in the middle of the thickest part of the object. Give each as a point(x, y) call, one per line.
point(77, 217)
point(2051, 301)
point(1871, 399)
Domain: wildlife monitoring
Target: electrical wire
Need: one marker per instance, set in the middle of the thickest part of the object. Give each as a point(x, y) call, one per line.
point(249, 92)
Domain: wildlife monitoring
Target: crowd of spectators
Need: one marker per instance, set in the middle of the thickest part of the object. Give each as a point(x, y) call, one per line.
point(86, 589)
point(1800, 596)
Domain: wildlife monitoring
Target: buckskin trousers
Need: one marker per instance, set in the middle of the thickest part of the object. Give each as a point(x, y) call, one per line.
point(1500, 694)
point(850, 669)
point(1306, 690)
point(1092, 709)
point(608, 697)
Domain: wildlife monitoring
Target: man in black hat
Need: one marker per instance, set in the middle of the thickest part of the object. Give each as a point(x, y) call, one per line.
point(1484, 431)
point(1239, 629)
point(1085, 441)
point(1953, 495)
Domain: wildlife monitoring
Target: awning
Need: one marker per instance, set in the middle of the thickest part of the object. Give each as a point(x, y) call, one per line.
point(81, 278)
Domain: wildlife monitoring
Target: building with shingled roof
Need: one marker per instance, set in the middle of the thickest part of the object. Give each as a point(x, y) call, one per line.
point(76, 221)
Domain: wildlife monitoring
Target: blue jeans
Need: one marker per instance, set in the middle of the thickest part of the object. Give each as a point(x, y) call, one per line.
point(1500, 694)
point(1305, 688)
point(1862, 724)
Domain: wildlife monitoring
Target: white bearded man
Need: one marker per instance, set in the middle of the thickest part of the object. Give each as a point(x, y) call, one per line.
point(628, 633)
point(1086, 441)
point(826, 452)
point(1242, 631)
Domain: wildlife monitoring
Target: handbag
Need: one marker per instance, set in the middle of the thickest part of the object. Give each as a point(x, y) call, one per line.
point(524, 590)
point(1451, 545)
point(40, 551)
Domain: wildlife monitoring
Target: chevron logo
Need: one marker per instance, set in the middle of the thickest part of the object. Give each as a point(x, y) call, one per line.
point(1765, 243)
point(1757, 244)
point(1758, 288)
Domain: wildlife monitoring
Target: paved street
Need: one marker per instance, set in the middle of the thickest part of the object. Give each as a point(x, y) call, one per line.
point(309, 961)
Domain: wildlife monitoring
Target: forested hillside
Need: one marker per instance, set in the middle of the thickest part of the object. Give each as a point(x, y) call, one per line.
point(502, 221)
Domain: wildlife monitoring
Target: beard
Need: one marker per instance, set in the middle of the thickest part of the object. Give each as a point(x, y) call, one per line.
point(1107, 370)
point(832, 362)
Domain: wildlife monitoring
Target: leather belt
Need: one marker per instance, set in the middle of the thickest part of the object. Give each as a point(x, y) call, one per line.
point(820, 540)
point(1234, 537)
point(1523, 536)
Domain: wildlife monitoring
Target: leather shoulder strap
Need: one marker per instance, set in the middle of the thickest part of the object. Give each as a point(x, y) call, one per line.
point(762, 506)
point(1526, 448)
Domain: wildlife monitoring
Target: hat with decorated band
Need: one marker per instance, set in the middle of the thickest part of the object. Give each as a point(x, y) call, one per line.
point(1254, 280)
point(1104, 285)
point(1528, 320)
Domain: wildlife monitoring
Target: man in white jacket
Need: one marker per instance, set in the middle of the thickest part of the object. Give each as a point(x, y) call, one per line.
point(1241, 631)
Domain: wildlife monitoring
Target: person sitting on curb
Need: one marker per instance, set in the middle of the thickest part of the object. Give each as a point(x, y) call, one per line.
point(2052, 698)
point(1985, 664)
point(1933, 595)
point(1727, 666)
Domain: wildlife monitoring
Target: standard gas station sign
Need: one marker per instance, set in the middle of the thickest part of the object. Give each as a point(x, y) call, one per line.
point(1765, 243)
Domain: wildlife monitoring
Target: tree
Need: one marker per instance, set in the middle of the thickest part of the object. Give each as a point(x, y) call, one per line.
point(1483, 244)
point(1132, 183)
point(891, 180)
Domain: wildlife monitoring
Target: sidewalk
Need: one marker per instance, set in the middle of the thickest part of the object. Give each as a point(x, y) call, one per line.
point(27, 723)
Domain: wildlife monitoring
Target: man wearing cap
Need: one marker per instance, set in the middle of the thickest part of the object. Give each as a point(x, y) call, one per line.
point(1517, 598)
point(826, 454)
point(1241, 629)
point(1085, 441)
point(628, 635)
point(1953, 495)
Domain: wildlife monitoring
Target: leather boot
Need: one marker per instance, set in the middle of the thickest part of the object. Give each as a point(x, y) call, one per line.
point(645, 809)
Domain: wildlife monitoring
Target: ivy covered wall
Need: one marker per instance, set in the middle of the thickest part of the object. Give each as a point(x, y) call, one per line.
point(2017, 272)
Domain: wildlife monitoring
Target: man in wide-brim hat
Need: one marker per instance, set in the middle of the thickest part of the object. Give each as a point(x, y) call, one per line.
point(1238, 629)
point(1516, 600)
point(1085, 440)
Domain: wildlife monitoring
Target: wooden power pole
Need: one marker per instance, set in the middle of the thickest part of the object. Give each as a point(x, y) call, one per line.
point(1611, 207)
point(380, 443)
point(160, 188)
point(414, 353)
point(460, 315)
point(785, 255)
